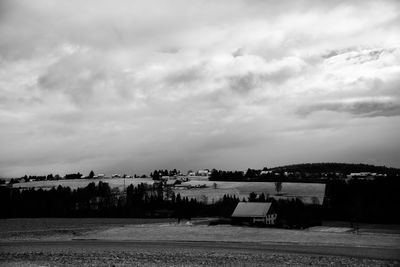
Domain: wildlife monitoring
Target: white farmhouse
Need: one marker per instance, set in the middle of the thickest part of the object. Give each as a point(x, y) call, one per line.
point(254, 213)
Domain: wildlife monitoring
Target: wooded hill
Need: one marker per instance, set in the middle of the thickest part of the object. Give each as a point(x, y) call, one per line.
point(345, 168)
point(307, 172)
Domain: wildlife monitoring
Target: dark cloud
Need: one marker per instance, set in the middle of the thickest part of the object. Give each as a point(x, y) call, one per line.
point(358, 108)
point(86, 78)
point(361, 58)
point(23, 100)
point(336, 52)
point(238, 52)
point(245, 83)
point(75, 79)
point(170, 50)
point(186, 75)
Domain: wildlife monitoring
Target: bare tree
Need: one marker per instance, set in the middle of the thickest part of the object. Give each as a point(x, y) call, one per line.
point(278, 186)
point(204, 199)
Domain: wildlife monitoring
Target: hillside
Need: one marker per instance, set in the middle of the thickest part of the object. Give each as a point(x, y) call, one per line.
point(345, 168)
point(306, 172)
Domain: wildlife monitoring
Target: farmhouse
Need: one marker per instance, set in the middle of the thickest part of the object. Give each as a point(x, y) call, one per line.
point(254, 213)
point(171, 182)
point(205, 172)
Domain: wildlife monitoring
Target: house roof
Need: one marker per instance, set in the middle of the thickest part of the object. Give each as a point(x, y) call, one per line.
point(171, 182)
point(252, 209)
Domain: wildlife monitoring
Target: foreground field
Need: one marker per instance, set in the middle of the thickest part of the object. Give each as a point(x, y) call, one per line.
point(196, 230)
point(114, 253)
point(64, 228)
point(307, 192)
point(228, 233)
point(155, 242)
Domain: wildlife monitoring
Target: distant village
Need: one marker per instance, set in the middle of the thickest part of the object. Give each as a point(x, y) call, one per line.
point(162, 175)
point(172, 177)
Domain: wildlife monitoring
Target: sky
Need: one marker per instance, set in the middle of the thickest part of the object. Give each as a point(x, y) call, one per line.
point(133, 86)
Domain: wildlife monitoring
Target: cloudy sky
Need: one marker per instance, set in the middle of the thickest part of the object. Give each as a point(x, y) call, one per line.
point(130, 86)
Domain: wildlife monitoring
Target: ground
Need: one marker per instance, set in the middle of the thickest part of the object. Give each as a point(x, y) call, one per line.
point(165, 254)
point(156, 242)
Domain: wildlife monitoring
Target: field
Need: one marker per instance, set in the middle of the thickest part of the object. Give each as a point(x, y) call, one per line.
point(163, 254)
point(149, 242)
point(56, 228)
point(307, 192)
point(77, 183)
point(195, 230)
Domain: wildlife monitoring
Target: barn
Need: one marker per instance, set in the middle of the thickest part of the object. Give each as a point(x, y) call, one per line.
point(254, 213)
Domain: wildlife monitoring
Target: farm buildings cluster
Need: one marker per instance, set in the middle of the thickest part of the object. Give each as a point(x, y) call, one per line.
point(162, 175)
point(310, 172)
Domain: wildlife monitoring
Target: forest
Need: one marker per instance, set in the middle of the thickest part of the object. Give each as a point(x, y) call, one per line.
point(372, 201)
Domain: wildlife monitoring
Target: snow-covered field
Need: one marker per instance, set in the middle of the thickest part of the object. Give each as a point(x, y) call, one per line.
point(307, 192)
point(228, 233)
point(148, 242)
point(169, 229)
point(77, 183)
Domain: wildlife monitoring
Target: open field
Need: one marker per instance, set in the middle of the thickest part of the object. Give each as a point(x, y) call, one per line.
point(307, 192)
point(62, 228)
point(77, 183)
point(366, 227)
point(196, 230)
point(142, 242)
point(228, 233)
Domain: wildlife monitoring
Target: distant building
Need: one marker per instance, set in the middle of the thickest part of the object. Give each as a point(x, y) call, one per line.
point(255, 213)
point(361, 174)
point(365, 175)
point(183, 178)
point(171, 182)
point(165, 178)
point(265, 172)
point(205, 172)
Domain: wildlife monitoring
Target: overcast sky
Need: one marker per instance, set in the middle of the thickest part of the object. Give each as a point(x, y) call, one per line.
point(130, 86)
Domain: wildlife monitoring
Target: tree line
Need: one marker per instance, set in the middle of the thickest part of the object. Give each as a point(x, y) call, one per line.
point(332, 167)
point(100, 200)
point(356, 200)
point(373, 201)
point(141, 201)
point(310, 172)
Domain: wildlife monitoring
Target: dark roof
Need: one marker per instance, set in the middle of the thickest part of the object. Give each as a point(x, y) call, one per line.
point(252, 209)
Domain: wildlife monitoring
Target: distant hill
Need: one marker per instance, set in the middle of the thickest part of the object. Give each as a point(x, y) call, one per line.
point(306, 173)
point(345, 168)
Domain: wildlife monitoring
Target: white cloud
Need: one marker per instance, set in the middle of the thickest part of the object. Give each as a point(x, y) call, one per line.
point(138, 86)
